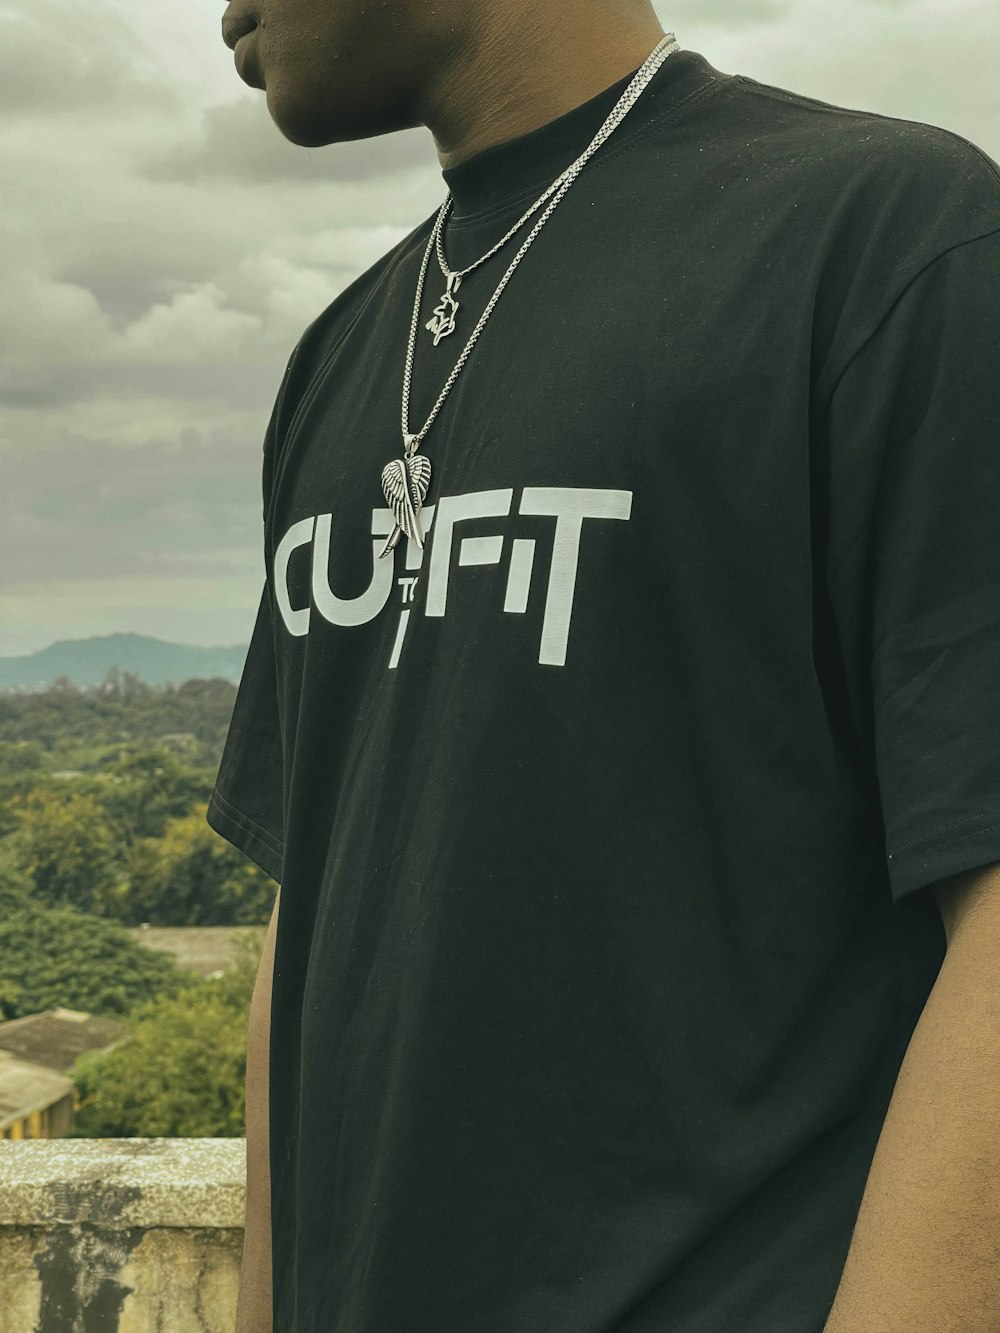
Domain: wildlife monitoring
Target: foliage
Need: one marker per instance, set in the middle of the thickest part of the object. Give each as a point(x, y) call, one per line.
point(15, 888)
point(85, 729)
point(149, 788)
point(15, 789)
point(22, 756)
point(121, 833)
point(103, 796)
point(59, 956)
point(65, 845)
point(10, 999)
point(192, 877)
point(181, 1072)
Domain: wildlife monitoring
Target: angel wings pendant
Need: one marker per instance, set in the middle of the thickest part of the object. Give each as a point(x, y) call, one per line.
point(404, 484)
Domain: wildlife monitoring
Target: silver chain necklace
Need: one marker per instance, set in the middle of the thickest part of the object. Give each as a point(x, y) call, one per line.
point(405, 480)
point(443, 321)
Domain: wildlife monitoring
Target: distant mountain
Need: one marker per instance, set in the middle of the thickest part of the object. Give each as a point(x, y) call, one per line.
point(87, 662)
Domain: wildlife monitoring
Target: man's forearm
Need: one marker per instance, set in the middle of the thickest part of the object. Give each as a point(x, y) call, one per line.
point(925, 1255)
point(253, 1311)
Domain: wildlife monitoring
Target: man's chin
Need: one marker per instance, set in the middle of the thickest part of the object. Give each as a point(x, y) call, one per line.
point(301, 122)
point(300, 126)
point(301, 138)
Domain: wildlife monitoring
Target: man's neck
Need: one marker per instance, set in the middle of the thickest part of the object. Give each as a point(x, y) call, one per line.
point(526, 65)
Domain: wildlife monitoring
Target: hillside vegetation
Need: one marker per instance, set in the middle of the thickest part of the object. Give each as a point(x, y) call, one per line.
point(103, 793)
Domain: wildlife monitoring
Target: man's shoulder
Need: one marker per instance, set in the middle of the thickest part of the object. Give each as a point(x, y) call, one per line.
point(865, 150)
point(324, 334)
point(325, 331)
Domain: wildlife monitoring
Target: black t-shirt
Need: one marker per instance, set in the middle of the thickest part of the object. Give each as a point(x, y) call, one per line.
point(601, 822)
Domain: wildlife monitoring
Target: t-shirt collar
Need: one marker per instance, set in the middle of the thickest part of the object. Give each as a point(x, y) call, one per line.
point(529, 163)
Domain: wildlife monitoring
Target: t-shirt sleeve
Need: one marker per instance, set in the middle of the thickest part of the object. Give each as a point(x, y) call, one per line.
point(246, 805)
point(923, 393)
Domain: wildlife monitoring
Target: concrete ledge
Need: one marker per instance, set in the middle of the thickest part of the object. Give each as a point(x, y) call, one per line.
point(122, 1183)
point(121, 1235)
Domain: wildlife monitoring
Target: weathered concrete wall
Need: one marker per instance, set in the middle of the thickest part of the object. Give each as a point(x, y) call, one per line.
point(121, 1235)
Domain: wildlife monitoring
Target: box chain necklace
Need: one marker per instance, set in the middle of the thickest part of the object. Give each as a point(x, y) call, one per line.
point(405, 480)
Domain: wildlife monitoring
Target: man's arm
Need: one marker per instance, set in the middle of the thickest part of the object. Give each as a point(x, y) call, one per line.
point(253, 1310)
point(925, 1255)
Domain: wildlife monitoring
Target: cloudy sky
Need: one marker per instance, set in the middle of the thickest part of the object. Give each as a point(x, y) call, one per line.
point(163, 247)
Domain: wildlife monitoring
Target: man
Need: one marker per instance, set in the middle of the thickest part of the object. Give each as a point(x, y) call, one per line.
point(621, 716)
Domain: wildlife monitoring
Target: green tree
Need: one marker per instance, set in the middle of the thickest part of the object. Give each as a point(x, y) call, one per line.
point(65, 846)
point(21, 756)
point(15, 896)
point(15, 887)
point(181, 1072)
point(192, 877)
point(98, 727)
point(150, 788)
point(59, 956)
point(16, 789)
point(10, 999)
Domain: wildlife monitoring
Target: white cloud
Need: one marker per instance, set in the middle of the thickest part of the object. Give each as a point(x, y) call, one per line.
point(929, 60)
point(163, 247)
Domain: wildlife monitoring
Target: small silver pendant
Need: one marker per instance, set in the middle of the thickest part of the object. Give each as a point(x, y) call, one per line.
point(443, 321)
point(404, 484)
